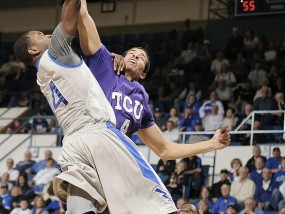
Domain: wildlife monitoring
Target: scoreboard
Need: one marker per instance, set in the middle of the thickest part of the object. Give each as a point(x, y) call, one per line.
point(259, 7)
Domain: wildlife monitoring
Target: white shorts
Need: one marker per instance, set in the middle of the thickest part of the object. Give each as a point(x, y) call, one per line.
point(106, 164)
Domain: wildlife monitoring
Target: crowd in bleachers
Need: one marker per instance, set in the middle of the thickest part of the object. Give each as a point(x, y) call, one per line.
point(254, 186)
point(24, 186)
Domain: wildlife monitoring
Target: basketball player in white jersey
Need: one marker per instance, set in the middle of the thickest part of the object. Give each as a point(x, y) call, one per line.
point(100, 164)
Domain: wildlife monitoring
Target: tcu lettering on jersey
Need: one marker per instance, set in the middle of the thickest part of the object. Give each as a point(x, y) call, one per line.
point(126, 103)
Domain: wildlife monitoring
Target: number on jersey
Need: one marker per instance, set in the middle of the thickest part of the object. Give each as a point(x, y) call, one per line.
point(57, 97)
point(125, 126)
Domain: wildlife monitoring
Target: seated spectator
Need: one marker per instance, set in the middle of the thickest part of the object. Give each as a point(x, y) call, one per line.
point(224, 93)
point(273, 163)
point(166, 167)
point(40, 125)
point(39, 206)
point(216, 187)
point(44, 176)
point(204, 207)
point(194, 138)
point(16, 194)
point(243, 188)
point(226, 75)
point(180, 202)
point(171, 133)
point(192, 103)
point(244, 94)
point(235, 43)
point(250, 207)
point(26, 189)
point(257, 75)
point(270, 55)
point(42, 163)
point(13, 173)
point(159, 119)
point(250, 41)
point(231, 209)
point(205, 198)
point(176, 180)
point(207, 106)
point(3, 210)
point(264, 190)
point(264, 84)
point(193, 174)
point(239, 67)
point(244, 123)
point(173, 117)
point(16, 128)
point(236, 164)
point(217, 63)
point(6, 196)
point(230, 120)
point(256, 152)
point(26, 163)
point(278, 105)
point(256, 175)
point(5, 179)
point(223, 202)
point(214, 120)
point(13, 69)
point(258, 138)
point(24, 207)
point(187, 121)
point(167, 100)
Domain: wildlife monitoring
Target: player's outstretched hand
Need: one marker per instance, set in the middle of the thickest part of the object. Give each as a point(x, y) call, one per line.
point(221, 138)
point(119, 63)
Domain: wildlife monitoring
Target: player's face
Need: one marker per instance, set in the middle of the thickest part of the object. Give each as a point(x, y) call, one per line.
point(136, 60)
point(39, 40)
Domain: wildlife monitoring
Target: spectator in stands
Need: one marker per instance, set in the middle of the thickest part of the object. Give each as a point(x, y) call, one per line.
point(256, 152)
point(40, 124)
point(39, 206)
point(167, 100)
point(13, 69)
point(258, 138)
point(166, 167)
point(223, 202)
point(250, 41)
point(235, 43)
point(194, 138)
point(204, 56)
point(42, 163)
point(13, 173)
point(224, 93)
point(216, 187)
point(24, 100)
point(3, 210)
point(171, 133)
point(155, 84)
point(273, 75)
point(239, 67)
point(244, 123)
point(26, 189)
point(264, 190)
point(256, 175)
point(214, 120)
point(6, 196)
point(243, 188)
point(236, 164)
point(24, 207)
point(207, 105)
point(226, 75)
point(187, 121)
point(204, 207)
point(270, 54)
point(217, 63)
point(231, 209)
point(278, 105)
point(205, 198)
point(257, 75)
point(250, 207)
point(173, 117)
point(16, 194)
point(5, 179)
point(264, 84)
point(187, 57)
point(159, 119)
point(230, 119)
point(192, 102)
point(26, 163)
point(191, 89)
point(273, 163)
point(264, 103)
point(16, 128)
point(243, 94)
point(44, 176)
point(193, 174)
point(180, 202)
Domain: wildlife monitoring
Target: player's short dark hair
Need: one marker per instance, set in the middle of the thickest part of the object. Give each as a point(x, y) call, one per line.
point(21, 49)
point(147, 64)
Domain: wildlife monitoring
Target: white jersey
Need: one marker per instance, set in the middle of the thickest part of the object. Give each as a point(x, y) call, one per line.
point(75, 103)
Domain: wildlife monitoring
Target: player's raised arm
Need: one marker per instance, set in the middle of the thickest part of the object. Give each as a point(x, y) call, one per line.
point(88, 34)
point(166, 150)
point(70, 16)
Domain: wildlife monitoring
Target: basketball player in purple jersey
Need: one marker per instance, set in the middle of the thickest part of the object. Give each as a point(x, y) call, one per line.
point(129, 99)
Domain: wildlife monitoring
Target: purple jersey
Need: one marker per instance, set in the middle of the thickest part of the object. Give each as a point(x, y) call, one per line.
point(129, 100)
